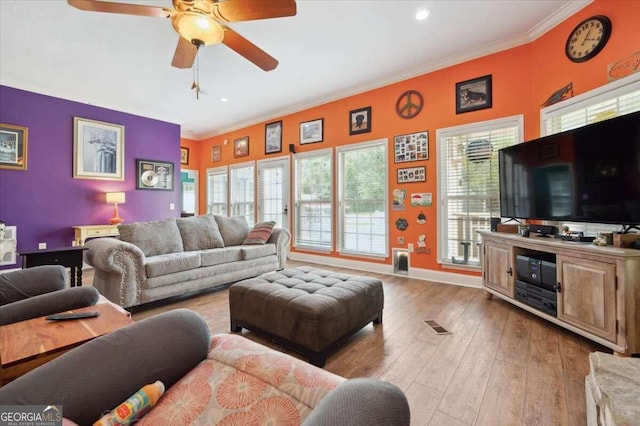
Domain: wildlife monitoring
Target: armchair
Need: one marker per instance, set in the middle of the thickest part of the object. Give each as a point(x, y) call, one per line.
point(40, 291)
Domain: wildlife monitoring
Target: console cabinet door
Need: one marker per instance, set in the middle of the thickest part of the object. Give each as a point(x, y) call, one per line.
point(587, 295)
point(498, 268)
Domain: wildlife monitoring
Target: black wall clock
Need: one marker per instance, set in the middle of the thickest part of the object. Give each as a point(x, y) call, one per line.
point(588, 38)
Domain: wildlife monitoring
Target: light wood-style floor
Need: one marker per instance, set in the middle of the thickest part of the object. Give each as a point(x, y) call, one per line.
point(499, 366)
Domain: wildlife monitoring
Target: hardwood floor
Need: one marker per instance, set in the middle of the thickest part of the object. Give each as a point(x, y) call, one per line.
point(499, 366)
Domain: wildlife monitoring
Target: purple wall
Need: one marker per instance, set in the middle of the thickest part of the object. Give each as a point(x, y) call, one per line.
point(44, 201)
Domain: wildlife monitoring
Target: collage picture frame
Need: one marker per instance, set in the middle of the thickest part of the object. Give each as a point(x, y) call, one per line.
point(411, 147)
point(412, 174)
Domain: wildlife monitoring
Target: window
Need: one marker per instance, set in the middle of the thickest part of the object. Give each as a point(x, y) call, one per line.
point(468, 184)
point(362, 202)
point(217, 191)
point(617, 98)
point(313, 197)
point(242, 190)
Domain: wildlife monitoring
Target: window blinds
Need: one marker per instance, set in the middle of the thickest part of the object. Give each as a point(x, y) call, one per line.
point(362, 206)
point(313, 205)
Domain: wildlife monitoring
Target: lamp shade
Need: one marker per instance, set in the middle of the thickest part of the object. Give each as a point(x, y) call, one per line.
point(115, 197)
point(195, 26)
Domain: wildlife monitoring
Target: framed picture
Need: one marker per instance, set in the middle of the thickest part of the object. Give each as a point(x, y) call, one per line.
point(154, 175)
point(311, 131)
point(273, 137)
point(98, 150)
point(216, 153)
point(241, 147)
point(411, 147)
point(13, 147)
point(472, 95)
point(184, 155)
point(360, 121)
point(412, 174)
point(8, 245)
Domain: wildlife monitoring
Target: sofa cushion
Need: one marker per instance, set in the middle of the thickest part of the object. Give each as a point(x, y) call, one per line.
point(244, 383)
point(260, 233)
point(169, 263)
point(254, 252)
point(199, 232)
point(221, 255)
point(233, 229)
point(153, 238)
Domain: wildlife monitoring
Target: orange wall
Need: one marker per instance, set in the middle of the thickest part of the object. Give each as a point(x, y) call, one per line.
point(523, 78)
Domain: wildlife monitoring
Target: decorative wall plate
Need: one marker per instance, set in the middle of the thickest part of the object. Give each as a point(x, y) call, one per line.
point(409, 104)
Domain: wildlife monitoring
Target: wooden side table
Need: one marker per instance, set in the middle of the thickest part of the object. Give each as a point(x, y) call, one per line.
point(70, 257)
point(94, 231)
point(28, 344)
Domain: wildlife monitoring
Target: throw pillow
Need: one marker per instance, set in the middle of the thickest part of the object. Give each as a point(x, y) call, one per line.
point(233, 229)
point(153, 238)
point(260, 233)
point(134, 408)
point(200, 233)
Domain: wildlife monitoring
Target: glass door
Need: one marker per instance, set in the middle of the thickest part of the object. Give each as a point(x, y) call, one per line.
point(189, 190)
point(273, 191)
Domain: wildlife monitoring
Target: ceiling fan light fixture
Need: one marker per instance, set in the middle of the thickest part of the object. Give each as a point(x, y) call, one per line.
point(194, 26)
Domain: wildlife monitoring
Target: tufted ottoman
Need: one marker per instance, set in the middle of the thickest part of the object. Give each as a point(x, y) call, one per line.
point(310, 310)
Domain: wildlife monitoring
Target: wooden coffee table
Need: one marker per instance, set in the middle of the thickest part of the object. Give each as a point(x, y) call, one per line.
point(27, 344)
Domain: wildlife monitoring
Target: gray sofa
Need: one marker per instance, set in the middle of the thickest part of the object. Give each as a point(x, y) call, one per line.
point(200, 379)
point(160, 259)
point(40, 291)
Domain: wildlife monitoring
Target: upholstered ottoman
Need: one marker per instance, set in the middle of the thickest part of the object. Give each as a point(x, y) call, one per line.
point(310, 310)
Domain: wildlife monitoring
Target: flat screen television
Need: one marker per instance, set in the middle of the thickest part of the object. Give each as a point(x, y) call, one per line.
point(589, 174)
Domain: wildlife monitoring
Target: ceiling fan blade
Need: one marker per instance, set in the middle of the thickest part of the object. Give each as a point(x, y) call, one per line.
point(185, 54)
point(250, 10)
point(250, 51)
point(123, 8)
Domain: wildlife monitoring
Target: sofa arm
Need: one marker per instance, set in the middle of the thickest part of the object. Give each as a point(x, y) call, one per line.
point(18, 285)
point(49, 303)
point(281, 238)
point(97, 376)
point(362, 402)
point(119, 269)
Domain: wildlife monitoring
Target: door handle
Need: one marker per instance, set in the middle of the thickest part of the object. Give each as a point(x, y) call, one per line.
point(558, 287)
point(510, 271)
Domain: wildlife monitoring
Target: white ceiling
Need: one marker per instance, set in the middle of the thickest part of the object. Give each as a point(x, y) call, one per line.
point(331, 49)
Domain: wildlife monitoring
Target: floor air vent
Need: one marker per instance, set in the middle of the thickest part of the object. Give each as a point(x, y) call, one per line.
point(437, 327)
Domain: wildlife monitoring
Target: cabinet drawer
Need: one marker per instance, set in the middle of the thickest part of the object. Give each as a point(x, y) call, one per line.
point(101, 232)
point(64, 259)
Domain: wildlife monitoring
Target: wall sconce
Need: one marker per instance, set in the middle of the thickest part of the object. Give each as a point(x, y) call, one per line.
point(115, 198)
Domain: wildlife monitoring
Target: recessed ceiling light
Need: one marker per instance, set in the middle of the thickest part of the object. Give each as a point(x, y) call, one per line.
point(423, 14)
point(224, 100)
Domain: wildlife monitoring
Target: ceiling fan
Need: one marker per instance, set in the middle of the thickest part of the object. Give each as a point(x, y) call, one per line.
point(201, 23)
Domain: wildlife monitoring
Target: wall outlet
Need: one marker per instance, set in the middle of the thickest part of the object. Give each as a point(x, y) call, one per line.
point(410, 247)
point(401, 240)
point(42, 246)
point(172, 206)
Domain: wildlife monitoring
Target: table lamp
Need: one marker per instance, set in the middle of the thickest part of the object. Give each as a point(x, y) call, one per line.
point(115, 198)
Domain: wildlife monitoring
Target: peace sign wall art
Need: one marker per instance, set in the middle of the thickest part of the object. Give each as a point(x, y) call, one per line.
point(411, 147)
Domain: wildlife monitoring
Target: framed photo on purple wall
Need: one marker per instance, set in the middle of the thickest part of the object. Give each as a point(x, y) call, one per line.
point(154, 175)
point(98, 150)
point(13, 147)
